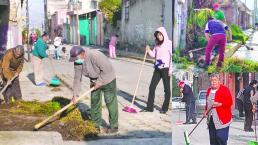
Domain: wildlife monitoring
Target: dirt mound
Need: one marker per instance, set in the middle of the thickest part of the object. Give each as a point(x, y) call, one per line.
point(22, 116)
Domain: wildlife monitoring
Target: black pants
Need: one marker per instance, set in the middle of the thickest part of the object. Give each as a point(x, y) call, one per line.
point(157, 75)
point(248, 116)
point(13, 89)
point(217, 136)
point(190, 111)
point(240, 107)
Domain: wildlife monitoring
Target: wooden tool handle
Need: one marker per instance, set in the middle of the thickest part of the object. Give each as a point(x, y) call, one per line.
point(37, 126)
point(139, 78)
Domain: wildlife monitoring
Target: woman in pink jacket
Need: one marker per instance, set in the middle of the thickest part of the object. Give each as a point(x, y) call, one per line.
point(112, 46)
point(162, 52)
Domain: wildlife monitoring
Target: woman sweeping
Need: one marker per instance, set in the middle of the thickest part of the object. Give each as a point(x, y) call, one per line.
point(162, 52)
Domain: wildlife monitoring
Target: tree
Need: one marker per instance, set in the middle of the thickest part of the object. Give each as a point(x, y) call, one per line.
point(111, 10)
point(175, 89)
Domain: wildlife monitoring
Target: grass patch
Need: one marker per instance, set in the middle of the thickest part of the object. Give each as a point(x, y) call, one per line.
point(71, 123)
point(235, 65)
point(34, 107)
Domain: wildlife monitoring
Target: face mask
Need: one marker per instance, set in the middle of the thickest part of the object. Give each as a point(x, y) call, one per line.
point(79, 61)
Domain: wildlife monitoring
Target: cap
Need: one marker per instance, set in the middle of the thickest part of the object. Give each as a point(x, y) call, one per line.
point(74, 52)
point(180, 83)
point(215, 5)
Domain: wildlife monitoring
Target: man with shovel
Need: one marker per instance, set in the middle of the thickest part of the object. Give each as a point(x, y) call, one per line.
point(219, 117)
point(11, 66)
point(96, 66)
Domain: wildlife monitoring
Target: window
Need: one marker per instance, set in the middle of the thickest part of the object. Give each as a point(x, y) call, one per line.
point(127, 4)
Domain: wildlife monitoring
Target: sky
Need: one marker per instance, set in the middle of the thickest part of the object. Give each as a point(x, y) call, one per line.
point(36, 12)
point(249, 3)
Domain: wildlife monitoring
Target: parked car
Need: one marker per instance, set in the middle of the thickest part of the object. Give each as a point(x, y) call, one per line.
point(177, 104)
point(201, 102)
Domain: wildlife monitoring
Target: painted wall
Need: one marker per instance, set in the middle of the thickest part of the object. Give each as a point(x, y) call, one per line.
point(144, 19)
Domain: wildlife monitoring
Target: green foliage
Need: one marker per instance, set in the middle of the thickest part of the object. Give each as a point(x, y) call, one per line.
point(175, 90)
point(238, 35)
point(201, 17)
point(111, 10)
point(235, 65)
point(182, 62)
point(201, 42)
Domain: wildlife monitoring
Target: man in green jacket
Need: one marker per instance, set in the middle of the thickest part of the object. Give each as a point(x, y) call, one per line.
point(96, 66)
point(39, 53)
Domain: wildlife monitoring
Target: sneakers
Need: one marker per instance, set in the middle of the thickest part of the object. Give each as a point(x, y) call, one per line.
point(162, 112)
point(187, 122)
point(249, 130)
point(112, 130)
point(194, 122)
point(41, 84)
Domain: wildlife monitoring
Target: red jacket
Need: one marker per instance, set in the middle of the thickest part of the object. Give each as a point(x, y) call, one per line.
point(222, 96)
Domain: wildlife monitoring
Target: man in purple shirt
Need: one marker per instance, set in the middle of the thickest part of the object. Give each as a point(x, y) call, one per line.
point(215, 33)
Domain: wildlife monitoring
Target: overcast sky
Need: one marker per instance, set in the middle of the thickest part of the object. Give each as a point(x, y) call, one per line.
point(249, 3)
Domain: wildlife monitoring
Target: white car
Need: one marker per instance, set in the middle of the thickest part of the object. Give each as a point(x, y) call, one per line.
point(177, 104)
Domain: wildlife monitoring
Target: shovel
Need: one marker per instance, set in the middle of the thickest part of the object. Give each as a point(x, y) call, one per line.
point(6, 86)
point(130, 109)
point(37, 126)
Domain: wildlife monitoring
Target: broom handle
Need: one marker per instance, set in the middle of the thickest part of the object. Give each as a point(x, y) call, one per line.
point(37, 126)
point(135, 91)
point(199, 122)
point(255, 127)
point(52, 66)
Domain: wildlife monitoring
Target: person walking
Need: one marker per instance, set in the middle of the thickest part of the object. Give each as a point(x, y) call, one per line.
point(11, 66)
point(189, 99)
point(162, 53)
point(248, 106)
point(97, 67)
point(112, 46)
point(39, 53)
point(215, 35)
point(219, 118)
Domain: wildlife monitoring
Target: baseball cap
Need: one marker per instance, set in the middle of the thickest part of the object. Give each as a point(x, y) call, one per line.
point(215, 5)
point(74, 52)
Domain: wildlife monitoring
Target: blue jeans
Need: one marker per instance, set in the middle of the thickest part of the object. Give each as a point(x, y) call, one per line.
point(190, 111)
point(217, 136)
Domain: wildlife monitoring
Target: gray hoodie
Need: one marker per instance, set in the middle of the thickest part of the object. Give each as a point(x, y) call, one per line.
point(96, 66)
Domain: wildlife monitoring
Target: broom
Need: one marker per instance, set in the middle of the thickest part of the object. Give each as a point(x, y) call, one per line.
point(130, 108)
point(37, 126)
point(254, 142)
point(186, 135)
point(54, 80)
point(6, 86)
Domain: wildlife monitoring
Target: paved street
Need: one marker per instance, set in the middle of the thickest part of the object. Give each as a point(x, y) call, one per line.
point(243, 53)
point(201, 135)
point(138, 126)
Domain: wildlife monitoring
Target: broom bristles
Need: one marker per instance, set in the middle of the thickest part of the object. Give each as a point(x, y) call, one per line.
point(187, 140)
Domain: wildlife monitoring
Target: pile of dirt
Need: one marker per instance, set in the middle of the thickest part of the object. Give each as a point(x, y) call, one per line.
point(22, 116)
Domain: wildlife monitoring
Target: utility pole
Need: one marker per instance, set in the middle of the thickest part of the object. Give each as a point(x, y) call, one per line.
point(255, 11)
point(28, 30)
point(46, 16)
